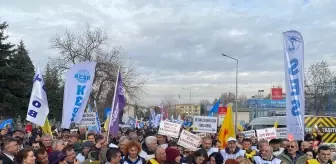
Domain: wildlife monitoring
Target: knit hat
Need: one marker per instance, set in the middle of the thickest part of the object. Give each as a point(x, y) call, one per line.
point(55, 157)
point(171, 154)
point(86, 144)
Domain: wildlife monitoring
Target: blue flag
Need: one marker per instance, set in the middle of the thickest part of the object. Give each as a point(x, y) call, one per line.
point(214, 109)
point(131, 122)
point(6, 123)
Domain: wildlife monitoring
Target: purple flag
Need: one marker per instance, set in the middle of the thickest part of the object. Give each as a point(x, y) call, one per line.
point(118, 106)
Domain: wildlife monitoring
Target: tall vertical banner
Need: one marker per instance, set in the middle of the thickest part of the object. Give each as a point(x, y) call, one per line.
point(118, 105)
point(77, 89)
point(294, 77)
point(38, 108)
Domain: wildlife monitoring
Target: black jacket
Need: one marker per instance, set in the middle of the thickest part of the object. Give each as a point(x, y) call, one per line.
point(5, 159)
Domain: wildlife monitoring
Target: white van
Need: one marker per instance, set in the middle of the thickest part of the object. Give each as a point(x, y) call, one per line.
point(267, 122)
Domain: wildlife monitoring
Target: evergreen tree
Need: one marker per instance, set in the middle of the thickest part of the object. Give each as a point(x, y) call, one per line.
point(54, 92)
point(6, 71)
point(22, 81)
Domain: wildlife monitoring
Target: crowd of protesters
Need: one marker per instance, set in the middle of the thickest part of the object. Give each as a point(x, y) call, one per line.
point(141, 146)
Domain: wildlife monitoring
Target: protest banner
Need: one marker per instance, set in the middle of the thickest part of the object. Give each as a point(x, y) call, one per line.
point(266, 134)
point(202, 135)
point(169, 129)
point(205, 124)
point(89, 119)
point(249, 133)
point(281, 132)
point(189, 140)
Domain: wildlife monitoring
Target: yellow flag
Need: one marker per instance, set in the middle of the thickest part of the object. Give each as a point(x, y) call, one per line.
point(46, 128)
point(240, 127)
point(106, 124)
point(276, 124)
point(227, 129)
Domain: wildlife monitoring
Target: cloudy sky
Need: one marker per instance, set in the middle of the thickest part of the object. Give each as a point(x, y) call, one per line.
point(178, 43)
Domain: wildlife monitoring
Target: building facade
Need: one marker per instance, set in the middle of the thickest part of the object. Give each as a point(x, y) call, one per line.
point(188, 109)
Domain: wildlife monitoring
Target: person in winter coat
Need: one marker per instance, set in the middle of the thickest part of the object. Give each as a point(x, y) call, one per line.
point(132, 157)
point(173, 156)
point(292, 155)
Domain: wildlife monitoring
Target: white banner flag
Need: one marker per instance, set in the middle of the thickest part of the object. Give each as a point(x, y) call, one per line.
point(38, 109)
point(294, 73)
point(78, 86)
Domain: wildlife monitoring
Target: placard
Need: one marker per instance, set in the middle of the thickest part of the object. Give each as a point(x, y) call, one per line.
point(205, 124)
point(169, 129)
point(266, 134)
point(281, 132)
point(89, 119)
point(189, 140)
point(249, 133)
point(202, 135)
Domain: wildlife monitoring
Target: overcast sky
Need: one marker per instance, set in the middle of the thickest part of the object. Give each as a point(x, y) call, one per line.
point(178, 43)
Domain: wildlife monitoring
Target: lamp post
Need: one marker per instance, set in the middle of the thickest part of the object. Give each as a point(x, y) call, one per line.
point(189, 98)
point(236, 106)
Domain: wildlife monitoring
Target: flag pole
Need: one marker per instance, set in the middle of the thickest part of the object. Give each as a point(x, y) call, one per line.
point(112, 107)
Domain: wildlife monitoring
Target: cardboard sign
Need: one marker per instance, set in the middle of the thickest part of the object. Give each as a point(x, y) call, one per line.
point(202, 135)
point(169, 129)
point(205, 124)
point(281, 132)
point(89, 119)
point(266, 134)
point(189, 140)
point(249, 133)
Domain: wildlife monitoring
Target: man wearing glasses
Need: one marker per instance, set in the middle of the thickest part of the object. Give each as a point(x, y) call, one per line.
point(292, 154)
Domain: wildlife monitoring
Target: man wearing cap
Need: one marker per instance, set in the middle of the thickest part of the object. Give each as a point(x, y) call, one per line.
point(232, 151)
point(65, 135)
point(275, 144)
point(74, 142)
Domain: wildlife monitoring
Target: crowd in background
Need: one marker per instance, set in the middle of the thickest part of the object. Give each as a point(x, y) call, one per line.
point(141, 146)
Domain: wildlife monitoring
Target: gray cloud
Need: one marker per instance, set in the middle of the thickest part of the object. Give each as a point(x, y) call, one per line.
point(178, 44)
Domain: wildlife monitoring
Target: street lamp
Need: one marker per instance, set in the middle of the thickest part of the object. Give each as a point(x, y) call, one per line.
point(236, 106)
point(189, 98)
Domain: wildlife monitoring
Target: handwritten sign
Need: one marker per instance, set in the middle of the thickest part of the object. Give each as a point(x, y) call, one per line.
point(281, 132)
point(89, 119)
point(189, 140)
point(169, 129)
point(205, 124)
point(202, 135)
point(266, 134)
point(249, 133)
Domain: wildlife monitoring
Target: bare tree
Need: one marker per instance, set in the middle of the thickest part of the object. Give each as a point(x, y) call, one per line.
point(169, 103)
point(319, 86)
point(92, 45)
point(242, 100)
point(204, 105)
point(227, 97)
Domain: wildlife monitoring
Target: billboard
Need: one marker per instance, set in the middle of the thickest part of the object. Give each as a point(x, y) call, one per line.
point(222, 110)
point(276, 93)
point(266, 103)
